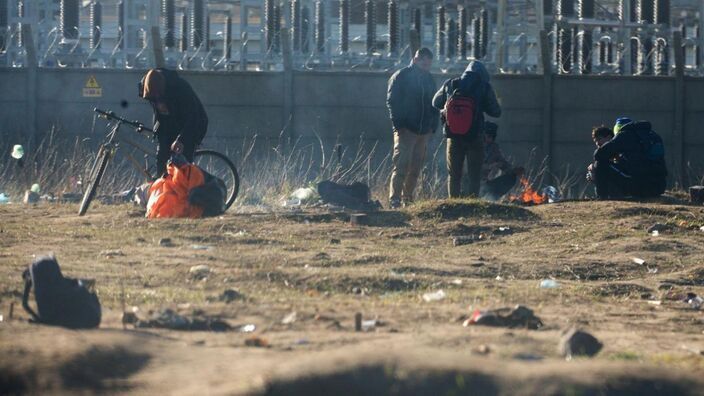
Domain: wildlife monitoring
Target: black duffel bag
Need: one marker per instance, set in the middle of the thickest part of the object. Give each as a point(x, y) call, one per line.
point(60, 301)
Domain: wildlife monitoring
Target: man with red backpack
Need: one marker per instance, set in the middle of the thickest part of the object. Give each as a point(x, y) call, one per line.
point(463, 102)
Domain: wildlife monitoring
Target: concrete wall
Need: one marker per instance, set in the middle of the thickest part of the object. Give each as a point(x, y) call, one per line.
point(346, 106)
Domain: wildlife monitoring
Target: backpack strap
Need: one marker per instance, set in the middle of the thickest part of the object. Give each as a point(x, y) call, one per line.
point(25, 297)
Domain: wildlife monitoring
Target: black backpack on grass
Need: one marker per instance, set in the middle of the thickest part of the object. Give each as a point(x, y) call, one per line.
point(210, 196)
point(60, 301)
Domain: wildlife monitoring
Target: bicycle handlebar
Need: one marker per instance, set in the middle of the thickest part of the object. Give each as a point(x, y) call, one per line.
point(138, 126)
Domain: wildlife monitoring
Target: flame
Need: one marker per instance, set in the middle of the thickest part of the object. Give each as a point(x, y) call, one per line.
point(529, 196)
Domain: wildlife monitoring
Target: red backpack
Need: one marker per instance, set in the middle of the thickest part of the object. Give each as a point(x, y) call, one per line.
point(460, 111)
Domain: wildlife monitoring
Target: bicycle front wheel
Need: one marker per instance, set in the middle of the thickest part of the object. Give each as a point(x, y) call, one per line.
point(97, 173)
point(220, 166)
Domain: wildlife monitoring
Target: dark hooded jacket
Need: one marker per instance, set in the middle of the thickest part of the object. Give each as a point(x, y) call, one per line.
point(632, 149)
point(186, 115)
point(473, 82)
point(409, 97)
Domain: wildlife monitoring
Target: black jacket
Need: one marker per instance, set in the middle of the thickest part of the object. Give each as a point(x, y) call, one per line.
point(409, 99)
point(475, 81)
point(631, 151)
point(186, 115)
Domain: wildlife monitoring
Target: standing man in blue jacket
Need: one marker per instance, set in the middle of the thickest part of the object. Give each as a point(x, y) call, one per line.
point(414, 119)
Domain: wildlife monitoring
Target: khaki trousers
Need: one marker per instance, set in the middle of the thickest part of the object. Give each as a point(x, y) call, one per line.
point(408, 159)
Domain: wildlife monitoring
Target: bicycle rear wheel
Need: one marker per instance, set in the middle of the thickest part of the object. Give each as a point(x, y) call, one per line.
point(97, 173)
point(220, 166)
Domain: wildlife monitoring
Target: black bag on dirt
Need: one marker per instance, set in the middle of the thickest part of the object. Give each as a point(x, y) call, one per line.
point(352, 196)
point(210, 196)
point(60, 301)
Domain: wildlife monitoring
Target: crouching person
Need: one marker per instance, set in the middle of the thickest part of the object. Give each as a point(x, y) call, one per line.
point(631, 164)
point(498, 175)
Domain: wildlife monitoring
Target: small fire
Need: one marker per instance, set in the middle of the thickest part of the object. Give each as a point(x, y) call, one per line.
point(528, 196)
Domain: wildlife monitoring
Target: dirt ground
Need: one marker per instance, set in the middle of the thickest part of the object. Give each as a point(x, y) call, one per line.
point(318, 265)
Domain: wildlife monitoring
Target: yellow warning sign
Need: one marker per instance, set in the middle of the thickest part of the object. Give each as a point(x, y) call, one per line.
point(92, 88)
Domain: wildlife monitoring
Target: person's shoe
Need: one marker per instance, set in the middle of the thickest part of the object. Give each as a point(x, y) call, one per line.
point(394, 203)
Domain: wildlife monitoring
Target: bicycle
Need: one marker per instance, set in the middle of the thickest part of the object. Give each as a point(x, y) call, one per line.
point(211, 161)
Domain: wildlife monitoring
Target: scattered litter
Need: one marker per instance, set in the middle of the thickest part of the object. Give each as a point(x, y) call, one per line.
point(655, 233)
point(166, 242)
point(549, 284)
point(457, 282)
point(30, 197)
point(369, 325)
point(199, 271)
point(2, 318)
point(482, 349)
point(334, 241)
point(4, 198)
point(17, 151)
point(552, 193)
point(230, 295)
point(140, 197)
point(238, 234)
point(434, 296)
point(35, 188)
point(694, 301)
point(256, 341)
point(659, 227)
point(503, 231)
point(519, 316)
point(112, 253)
point(201, 247)
point(638, 261)
point(169, 319)
point(357, 290)
point(579, 343)
point(466, 239)
point(655, 302)
point(248, 328)
point(291, 203)
point(305, 195)
point(289, 319)
point(499, 278)
point(653, 270)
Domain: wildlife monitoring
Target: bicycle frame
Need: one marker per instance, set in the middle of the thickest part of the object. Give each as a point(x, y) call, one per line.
point(113, 144)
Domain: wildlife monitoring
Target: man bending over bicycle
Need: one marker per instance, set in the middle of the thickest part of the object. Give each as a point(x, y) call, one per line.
point(178, 114)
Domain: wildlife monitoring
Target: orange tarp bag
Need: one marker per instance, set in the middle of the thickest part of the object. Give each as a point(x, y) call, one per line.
point(168, 196)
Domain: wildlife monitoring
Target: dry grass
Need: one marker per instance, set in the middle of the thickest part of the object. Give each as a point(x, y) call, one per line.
point(268, 170)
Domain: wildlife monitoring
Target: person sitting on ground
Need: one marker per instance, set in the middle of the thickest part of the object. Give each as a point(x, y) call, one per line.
point(600, 135)
point(632, 164)
point(498, 175)
point(178, 114)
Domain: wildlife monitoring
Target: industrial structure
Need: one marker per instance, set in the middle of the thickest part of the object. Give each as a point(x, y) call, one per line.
point(627, 37)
